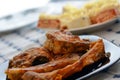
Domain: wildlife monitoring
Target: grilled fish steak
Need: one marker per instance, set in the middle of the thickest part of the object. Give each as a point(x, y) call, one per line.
point(93, 55)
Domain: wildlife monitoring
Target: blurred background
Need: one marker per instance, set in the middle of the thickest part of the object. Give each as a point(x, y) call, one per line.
point(15, 14)
point(13, 6)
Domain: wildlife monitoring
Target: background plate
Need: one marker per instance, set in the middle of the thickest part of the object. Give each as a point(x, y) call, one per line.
point(94, 27)
point(79, 30)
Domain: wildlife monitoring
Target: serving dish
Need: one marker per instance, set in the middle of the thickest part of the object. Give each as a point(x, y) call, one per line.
point(69, 11)
point(90, 28)
point(109, 47)
point(94, 27)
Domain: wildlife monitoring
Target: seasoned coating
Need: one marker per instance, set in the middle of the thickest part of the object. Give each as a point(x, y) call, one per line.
point(30, 57)
point(96, 53)
point(16, 73)
point(62, 43)
point(62, 55)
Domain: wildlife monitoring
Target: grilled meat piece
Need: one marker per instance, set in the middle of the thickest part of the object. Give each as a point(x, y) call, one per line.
point(16, 73)
point(42, 76)
point(62, 43)
point(93, 55)
point(30, 57)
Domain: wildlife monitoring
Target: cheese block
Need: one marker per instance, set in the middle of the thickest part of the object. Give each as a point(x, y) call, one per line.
point(80, 21)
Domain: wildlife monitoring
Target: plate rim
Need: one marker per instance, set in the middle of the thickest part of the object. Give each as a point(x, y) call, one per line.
point(88, 28)
point(103, 67)
point(94, 25)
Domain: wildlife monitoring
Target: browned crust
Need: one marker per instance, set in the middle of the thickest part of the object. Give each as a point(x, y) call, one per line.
point(16, 73)
point(49, 23)
point(104, 16)
point(58, 41)
point(26, 58)
point(94, 54)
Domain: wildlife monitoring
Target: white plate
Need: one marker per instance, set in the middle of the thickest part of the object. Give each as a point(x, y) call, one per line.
point(89, 28)
point(79, 30)
point(94, 27)
point(109, 47)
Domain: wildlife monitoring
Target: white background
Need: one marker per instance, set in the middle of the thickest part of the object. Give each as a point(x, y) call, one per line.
point(14, 6)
